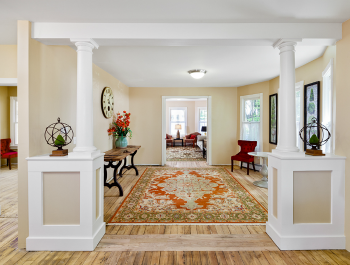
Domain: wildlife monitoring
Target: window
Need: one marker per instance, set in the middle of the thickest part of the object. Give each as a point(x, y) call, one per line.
point(14, 120)
point(298, 112)
point(202, 118)
point(178, 116)
point(251, 124)
point(327, 105)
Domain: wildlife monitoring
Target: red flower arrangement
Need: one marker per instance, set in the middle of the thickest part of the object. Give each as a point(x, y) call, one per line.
point(120, 125)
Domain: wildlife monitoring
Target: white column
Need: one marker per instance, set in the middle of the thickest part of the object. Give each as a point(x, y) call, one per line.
point(286, 97)
point(84, 124)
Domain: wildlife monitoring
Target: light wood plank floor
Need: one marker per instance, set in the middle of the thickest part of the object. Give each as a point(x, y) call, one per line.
point(159, 244)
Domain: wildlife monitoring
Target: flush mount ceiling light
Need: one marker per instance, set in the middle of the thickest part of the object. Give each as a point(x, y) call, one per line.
point(197, 73)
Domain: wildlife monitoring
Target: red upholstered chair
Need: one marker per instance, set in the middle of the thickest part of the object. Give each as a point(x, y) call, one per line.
point(169, 139)
point(246, 147)
point(6, 152)
point(191, 139)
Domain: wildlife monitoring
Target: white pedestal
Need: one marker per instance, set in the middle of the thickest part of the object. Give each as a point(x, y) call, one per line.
point(65, 197)
point(306, 202)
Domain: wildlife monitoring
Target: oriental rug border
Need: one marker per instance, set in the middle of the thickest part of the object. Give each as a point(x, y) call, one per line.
point(245, 208)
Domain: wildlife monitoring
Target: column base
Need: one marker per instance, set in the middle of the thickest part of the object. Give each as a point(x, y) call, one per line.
point(305, 242)
point(66, 244)
point(288, 153)
point(84, 154)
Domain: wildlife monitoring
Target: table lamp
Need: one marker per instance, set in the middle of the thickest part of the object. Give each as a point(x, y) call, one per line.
point(204, 129)
point(178, 127)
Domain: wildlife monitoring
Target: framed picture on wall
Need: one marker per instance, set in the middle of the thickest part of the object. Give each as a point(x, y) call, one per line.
point(273, 106)
point(311, 107)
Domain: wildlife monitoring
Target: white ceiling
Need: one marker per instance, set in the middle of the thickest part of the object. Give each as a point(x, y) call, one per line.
point(144, 65)
point(227, 66)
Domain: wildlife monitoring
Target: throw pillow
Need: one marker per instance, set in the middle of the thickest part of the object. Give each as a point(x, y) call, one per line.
point(193, 136)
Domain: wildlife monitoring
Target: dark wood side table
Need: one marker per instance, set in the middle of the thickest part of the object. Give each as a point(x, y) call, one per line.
point(179, 139)
point(204, 146)
point(118, 155)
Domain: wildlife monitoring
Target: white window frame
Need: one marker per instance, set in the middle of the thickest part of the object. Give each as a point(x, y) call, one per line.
point(299, 86)
point(198, 117)
point(329, 67)
point(13, 101)
point(249, 97)
point(170, 122)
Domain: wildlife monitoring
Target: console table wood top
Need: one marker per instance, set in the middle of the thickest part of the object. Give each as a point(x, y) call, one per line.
point(118, 154)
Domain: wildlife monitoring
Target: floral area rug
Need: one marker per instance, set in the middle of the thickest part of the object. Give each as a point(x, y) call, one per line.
point(184, 154)
point(189, 195)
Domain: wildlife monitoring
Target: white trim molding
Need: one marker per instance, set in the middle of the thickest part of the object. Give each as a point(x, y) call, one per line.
point(8, 81)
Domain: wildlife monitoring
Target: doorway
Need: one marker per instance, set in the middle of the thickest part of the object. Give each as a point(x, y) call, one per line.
point(186, 125)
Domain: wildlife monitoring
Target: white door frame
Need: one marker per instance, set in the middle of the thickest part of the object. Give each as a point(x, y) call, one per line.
point(164, 98)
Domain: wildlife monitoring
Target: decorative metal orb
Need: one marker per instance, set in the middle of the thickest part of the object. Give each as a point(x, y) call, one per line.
point(312, 128)
point(56, 129)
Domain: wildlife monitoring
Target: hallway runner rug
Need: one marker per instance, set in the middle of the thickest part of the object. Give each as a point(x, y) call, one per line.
point(189, 195)
point(179, 153)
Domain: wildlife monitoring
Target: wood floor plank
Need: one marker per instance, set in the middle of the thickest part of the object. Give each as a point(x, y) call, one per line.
point(309, 257)
point(193, 242)
point(188, 257)
point(213, 258)
point(114, 258)
point(234, 257)
point(221, 258)
point(139, 257)
point(180, 258)
point(147, 258)
point(204, 258)
point(155, 258)
point(196, 259)
point(261, 258)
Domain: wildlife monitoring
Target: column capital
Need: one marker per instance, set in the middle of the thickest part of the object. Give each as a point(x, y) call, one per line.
point(85, 42)
point(285, 42)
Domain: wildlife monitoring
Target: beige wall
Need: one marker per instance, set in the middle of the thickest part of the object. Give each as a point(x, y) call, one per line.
point(191, 112)
point(47, 81)
point(342, 140)
point(8, 65)
point(146, 120)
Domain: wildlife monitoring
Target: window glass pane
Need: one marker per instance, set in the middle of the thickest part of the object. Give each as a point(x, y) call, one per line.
point(297, 116)
point(251, 132)
point(16, 114)
point(327, 109)
point(203, 115)
point(252, 110)
point(16, 133)
point(177, 115)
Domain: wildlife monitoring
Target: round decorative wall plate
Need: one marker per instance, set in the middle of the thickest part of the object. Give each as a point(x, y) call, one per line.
point(107, 102)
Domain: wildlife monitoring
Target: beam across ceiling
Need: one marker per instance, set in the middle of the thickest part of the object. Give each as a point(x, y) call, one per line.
point(187, 34)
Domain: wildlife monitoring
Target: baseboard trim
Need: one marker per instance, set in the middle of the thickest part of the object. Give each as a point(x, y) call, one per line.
point(67, 243)
point(305, 242)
